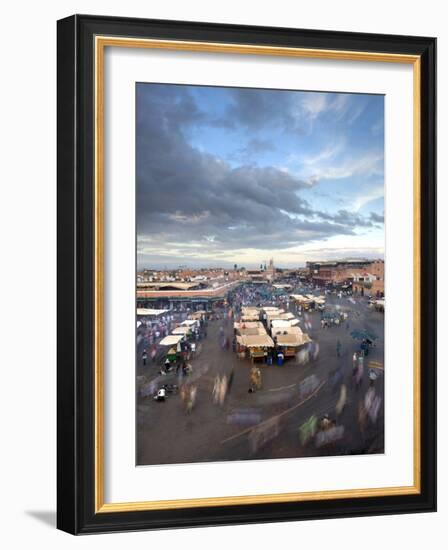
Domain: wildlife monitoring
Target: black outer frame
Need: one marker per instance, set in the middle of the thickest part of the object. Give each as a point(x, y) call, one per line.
point(75, 226)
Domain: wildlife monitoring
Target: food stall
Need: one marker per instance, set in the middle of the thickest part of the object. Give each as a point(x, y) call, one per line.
point(284, 317)
point(151, 312)
point(251, 331)
point(173, 342)
point(255, 345)
point(283, 327)
point(247, 324)
point(182, 330)
point(190, 323)
point(290, 343)
point(250, 314)
point(269, 316)
point(303, 301)
point(172, 355)
point(198, 315)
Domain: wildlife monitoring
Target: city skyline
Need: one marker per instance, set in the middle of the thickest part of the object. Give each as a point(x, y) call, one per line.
point(250, 266)
point(232, 175)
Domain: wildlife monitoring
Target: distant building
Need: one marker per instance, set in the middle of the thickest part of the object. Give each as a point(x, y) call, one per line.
point(363, 274)
point(266, 275)
point(270, 271)
point(256, 275)
point(183, 295)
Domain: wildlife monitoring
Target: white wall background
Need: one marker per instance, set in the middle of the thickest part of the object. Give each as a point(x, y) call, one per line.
point(27, 274)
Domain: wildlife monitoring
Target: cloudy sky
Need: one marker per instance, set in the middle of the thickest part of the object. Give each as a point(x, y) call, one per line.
point(234, 175)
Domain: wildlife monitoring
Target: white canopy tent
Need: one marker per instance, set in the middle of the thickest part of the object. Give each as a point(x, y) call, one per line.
point(247, 324)
point(293, 340)
point(280, 323)
point(181, 330)
point(150, 312)
point(286, 330)
point(189, 323)
point(171, 340)
point(255, 341)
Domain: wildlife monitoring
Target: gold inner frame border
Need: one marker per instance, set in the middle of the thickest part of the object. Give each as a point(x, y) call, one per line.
point(100, 43)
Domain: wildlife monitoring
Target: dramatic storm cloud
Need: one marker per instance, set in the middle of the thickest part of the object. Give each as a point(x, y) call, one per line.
point(238, 175)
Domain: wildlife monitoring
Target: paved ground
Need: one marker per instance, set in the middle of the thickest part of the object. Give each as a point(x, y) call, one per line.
point(264, 424)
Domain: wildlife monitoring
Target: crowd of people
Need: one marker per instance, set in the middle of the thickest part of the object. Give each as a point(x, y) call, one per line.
point(324, 429)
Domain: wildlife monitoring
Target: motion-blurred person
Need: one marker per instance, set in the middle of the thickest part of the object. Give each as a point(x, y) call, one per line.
point(186, 369)
point(336, 378)
point(325, 422)
point(359, 374)
point(191, 399)
point(255, 379)
point(308, 430)
point(215, 390)
point(362, 417)
point(222, 391)
point(302, 356)
point(340, 405)
point(230, 381)
point(313, 349)
point(167, 365)
point(160, 395)
point(372, 404)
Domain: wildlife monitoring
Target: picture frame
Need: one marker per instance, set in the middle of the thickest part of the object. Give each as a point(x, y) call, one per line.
point(82, 41)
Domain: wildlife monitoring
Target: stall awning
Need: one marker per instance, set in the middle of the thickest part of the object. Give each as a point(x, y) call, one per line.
point(181, 330)
point(287, 316)
point(255, 341)
point(301, 299)
point(248, 324)
point(197, 314)
point(286, 330)
point(284, 321)
point(151, 312)
point(251, 331)
point(292, 340)
point(276, 323)
point(273, 314)
point(250, 311)
point(189, 323)
point(171, 340)
point(250, 317)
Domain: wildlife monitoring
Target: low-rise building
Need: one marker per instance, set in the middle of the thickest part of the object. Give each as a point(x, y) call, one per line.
point(366, 276)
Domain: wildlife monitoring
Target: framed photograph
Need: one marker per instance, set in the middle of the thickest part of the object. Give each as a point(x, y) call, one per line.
point(246, 274)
